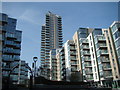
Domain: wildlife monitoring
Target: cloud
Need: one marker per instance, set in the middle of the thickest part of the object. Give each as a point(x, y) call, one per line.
point(30, 16)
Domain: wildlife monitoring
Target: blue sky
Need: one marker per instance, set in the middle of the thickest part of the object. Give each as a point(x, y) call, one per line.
point(31, 16)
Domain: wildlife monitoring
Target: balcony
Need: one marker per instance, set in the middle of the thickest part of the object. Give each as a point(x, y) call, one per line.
point(74, 69)
point(88, 65)
point(89, 79)
point(101, 39)
point(10, 36)
point(85, 42)
point(60, 35)
point(74, 63)
point(16, 58)
point(18, 40)
point(107, 68)
point(7, 68)
point(3, 28)
point(86, 53)
point(89, 72)
point(8, 51)
point(17, 46)
point(102, 47)
point(105, 60)
point(85, 47)
point(73, 53)
point(10, 43)
point(87, 59)
point(60, 30)
point(103, 53)
point(108, 76)
point(74, 59)
point(72, 49)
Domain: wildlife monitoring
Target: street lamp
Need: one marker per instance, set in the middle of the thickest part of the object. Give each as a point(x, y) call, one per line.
point(34, 66)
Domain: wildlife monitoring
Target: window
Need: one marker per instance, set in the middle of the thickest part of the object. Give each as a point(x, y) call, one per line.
point(116, 35)
point(95, 69)
point(96, 75)
point(117, 43)
point(113, 28)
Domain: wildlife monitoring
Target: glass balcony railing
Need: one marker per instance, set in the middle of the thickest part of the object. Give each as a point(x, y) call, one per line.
point(88, 72)
point(89, 78)
point(72, 53)
point(103, 52)
point(74, 69)
point(85, 47)
point(10, 43)
point(105, 60)
point(7, 59)
point(88, 65)
point(85, 41)
point(6, 67)
point(72, 48)
point(86, 53)
point(87, 58)
point(101, 38)
point(73, 58)
point(9, 35)
point(101, 46)
point(73, 63)
point(106, 67)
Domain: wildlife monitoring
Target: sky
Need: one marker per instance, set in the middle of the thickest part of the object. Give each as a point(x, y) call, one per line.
point(31, 16)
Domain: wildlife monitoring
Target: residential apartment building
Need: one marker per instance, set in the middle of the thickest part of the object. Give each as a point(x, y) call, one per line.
point(71, 62)
point(54, 65)
point(11, 47)
point(86, 61)
point(51, 38)
point(92, 56)
point(97, 54)
point(113, 40)
point(98, 57)
point(61, 57)
point(105, 71)
point(78, 37)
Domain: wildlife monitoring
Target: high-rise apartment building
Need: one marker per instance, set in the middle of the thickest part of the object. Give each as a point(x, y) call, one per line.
point(92, 56)
point(78, 37)
point(51, 38)
point(11, 47)
point(113, 40)
point(71, 61)
point(98, 55)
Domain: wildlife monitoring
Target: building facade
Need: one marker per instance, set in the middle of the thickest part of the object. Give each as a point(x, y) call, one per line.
point(96, 56)
point(71, 62)
point(113, 35)
point(92, 56)
point(11, 47)
point(78, 37)
point(51, 38)
point(98, 52)
point(23, 72)
point(54, 65)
